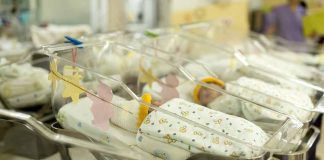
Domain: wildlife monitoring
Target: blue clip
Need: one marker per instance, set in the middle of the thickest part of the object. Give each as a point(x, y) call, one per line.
point(73, 41)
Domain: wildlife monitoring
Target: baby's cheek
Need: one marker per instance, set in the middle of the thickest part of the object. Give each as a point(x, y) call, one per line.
point(210, 96)
point(216, 95)
point(204, 97)
point(157, 103)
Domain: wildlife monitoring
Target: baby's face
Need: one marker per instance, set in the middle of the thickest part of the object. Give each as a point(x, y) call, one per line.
point(207, 95)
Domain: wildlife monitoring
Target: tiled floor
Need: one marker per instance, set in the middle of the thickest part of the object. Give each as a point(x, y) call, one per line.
point(81, 154)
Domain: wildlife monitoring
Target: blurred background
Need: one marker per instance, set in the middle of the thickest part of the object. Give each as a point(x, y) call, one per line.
point(29, 24)
point(29, 20)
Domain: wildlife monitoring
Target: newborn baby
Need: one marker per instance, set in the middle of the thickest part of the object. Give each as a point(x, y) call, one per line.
point(280, 99)
point(159, 129)
point(273, 96)
point(163, 135)
point(24, 86)
point(230, 68)
point(300, 58)
point(114, 124)
point(274, 64)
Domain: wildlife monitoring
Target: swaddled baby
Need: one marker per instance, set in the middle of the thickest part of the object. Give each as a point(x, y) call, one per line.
point(159, 129)
point(280, 99)
point(115, 123)
point(230, 68)
point(299, 58)
point(24, 85)
point(280, 66)
point(118, 63)
point(163, 135)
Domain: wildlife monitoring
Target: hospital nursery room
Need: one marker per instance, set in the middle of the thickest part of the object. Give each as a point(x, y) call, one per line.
point(161, 79)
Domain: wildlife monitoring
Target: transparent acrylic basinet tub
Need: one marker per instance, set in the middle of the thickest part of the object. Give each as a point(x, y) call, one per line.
point(18, 83)
point(231, 66)
point(255, 48)
point(114, 75)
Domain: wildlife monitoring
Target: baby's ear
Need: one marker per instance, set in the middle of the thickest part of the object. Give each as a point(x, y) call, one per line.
point(172, 79)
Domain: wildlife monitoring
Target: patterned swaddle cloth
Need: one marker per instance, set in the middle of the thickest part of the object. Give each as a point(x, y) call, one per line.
point(270, 78)
point(121, 132)
point(24, 85)
point(166, 129)
point(277, 65)
point(292, 98)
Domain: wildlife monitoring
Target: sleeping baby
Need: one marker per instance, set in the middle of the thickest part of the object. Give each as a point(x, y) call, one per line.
point(275, 64)
point(24, 85)
point(230, 68)
point(276, 97)
point(167, 136)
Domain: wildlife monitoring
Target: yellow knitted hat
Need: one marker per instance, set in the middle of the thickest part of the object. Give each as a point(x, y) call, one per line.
point(206, 80)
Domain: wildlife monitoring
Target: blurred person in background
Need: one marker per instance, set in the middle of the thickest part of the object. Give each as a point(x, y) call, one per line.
point(285, 21)
point(11, 24)
point(303, 4)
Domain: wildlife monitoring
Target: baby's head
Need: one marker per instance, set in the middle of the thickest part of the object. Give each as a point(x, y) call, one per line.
point(203, 95)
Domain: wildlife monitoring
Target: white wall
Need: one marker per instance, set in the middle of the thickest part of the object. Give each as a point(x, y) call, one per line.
point(64, 11)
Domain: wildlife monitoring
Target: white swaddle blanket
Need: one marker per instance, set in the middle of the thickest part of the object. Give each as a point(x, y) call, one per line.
point(161, 149)
point(280, 66)
point(79, 117)
point(122, 129)
point(229, 69)
point(281, 99)
point(170, 130)
point(269, 78)
point(130, 64)
point(24, 85)
point(277, 100)
point(119, 64)
point(188, 139)
point(301, 58)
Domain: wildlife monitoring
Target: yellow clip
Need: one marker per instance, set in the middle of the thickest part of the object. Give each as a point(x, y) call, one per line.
point(143, 109)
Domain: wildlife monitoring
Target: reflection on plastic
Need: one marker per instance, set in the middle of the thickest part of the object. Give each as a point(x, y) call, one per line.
point(52, 75)
point(169, 90)
point(101, 110)
point(72, 87)
point(147, 76)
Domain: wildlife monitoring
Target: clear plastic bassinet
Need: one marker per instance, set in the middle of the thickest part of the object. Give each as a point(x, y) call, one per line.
point(231, 67)
point(257, 50)
point(106, 90)
point(24, 87)
point(277, 43)
point(295, 52)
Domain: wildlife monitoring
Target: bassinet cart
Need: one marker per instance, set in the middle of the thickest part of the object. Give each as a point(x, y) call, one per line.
point(135, 68)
